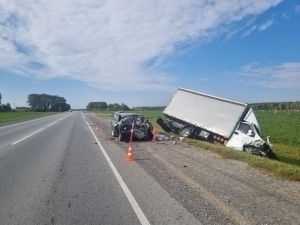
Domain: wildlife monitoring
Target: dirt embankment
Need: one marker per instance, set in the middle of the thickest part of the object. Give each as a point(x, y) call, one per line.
point(213, 189)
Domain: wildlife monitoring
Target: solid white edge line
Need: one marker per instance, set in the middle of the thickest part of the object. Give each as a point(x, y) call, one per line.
point(138, 211)
point(27, 136)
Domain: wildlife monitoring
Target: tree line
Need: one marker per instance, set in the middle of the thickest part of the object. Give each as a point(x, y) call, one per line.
point(276, 106)
point(104, 106)
point(44, 103)
point(92, 106)
point(40, 103)
point(148, 108)
point(4, 107)
point(256, 106)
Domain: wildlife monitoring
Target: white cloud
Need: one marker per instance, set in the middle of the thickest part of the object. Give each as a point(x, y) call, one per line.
point(266, 25)
point(108, 44)
point(249, 31)
point(261, 27)
point(297, 8)
point(286, 75)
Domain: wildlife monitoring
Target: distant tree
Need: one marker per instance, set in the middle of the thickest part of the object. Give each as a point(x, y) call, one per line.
point(124, 107)
point(5, 108)
point(44, 102)
point(96, 106)
point(0, 98)
point(148, 108)
point(276, 106)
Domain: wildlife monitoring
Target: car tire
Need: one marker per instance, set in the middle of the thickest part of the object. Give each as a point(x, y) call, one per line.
point(146, 138)
point(121, 136)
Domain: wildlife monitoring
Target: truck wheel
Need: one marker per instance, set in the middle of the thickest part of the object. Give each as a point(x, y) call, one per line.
point(121, 137)
point(186, 132)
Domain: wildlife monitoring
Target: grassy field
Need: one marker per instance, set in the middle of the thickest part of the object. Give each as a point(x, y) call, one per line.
point(17, 116)
point(283, 127)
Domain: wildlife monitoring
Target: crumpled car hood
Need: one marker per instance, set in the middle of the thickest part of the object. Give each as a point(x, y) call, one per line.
point(140, 129)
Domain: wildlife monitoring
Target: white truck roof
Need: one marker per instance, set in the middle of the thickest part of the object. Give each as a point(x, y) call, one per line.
point(212, 113)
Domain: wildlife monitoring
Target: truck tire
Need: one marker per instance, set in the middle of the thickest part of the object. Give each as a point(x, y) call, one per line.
point(121, 136)
point(186, 132)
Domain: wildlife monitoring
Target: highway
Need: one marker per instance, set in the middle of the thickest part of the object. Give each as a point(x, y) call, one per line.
point(60, 170)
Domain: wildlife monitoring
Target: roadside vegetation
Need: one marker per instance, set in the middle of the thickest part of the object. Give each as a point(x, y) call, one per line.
point(283, 127)
point(18, 116)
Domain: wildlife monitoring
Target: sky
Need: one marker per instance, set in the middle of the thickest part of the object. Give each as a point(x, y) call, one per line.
point(140, 52)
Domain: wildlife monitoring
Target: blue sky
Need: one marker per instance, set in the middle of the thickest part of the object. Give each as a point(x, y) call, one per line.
point(140, 53)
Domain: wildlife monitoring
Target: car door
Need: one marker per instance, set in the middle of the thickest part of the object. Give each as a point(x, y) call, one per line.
point(114, 121)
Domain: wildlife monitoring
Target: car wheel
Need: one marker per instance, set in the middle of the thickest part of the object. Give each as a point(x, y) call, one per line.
point(146, 138)
point(121, 136)
point(113, 132)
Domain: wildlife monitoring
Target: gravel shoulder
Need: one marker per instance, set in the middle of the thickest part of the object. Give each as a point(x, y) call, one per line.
point(213, 189)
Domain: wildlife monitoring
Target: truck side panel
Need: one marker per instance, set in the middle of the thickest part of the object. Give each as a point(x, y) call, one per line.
point(211, 113)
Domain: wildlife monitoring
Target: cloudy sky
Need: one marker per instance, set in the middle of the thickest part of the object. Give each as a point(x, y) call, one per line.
point(139, 52)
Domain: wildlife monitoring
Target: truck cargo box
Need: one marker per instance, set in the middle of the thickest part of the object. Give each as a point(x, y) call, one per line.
point(214, 114)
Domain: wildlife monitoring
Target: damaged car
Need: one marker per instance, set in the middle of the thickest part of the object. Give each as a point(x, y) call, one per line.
point(122, 123)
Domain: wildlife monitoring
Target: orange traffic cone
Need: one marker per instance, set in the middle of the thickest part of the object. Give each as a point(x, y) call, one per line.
point(129, 156)
point(154, 134)
point(97, 128)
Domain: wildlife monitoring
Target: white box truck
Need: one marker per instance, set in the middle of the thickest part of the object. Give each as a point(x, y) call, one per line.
point(197, 115)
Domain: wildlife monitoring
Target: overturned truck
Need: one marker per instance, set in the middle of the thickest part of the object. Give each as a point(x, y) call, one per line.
point(233, 124)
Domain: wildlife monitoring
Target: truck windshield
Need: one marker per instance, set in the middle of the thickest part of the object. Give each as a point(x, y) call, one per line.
point(244, 128)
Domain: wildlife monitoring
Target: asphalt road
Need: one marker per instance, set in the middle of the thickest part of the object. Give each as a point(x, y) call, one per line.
point(55, 170)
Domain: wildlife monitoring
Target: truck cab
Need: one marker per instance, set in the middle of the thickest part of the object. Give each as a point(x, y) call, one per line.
point(245, 133)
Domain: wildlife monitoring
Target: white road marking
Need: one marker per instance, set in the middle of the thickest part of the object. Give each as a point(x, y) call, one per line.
point(26, 122)
point(27, 136)
point(138, 211)
point(52, 124)
point(34, 132)
point(31, 121)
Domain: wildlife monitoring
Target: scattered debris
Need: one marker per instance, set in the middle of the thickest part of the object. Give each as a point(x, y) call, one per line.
point(161, 137)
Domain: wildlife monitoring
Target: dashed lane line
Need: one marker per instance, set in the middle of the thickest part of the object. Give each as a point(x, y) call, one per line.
point(39, 130)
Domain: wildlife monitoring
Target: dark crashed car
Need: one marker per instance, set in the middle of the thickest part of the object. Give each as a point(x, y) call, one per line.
point(121, 126)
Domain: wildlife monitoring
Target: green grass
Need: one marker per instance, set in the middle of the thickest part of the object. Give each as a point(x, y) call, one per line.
point(283, 127)
point(17, 116)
